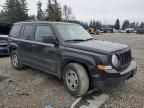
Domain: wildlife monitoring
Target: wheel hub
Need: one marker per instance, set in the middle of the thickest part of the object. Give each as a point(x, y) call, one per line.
point(15, 60)
point(72, 80)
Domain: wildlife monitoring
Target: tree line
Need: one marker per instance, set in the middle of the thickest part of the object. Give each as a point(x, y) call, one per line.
point(126, 24)
point(17, 10)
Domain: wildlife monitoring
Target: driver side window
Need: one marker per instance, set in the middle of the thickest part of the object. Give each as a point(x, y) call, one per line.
point(43, 31)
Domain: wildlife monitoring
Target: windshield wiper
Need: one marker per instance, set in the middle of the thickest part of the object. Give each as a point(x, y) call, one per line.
point(89, 39)
point(74, 40)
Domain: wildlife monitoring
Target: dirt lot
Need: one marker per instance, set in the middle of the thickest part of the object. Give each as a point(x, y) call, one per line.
point(31, 88)
point(131, 94)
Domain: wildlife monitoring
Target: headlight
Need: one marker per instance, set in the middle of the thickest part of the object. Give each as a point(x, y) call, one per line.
point(115, 60)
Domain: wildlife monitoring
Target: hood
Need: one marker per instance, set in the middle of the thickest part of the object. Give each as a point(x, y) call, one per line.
point(98, 46)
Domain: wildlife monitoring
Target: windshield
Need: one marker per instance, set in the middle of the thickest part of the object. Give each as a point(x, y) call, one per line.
point(70, 32)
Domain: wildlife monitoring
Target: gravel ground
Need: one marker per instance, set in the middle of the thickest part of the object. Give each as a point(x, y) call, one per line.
point(30, 88)
point(130, 94)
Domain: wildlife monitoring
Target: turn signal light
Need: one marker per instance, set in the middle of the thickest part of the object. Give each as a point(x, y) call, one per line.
point(101, 67)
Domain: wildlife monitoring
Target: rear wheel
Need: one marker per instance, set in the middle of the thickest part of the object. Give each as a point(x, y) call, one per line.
point(15, 60)
point(76, 79)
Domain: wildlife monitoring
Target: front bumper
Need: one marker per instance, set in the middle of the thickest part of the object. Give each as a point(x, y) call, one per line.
point(113, 77)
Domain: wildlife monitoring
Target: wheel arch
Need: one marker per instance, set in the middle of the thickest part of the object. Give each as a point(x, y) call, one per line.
point(12, 47)
point(86, 64)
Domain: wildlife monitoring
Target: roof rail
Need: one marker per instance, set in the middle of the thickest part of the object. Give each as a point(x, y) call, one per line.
point(30, 20)
point(27, 21)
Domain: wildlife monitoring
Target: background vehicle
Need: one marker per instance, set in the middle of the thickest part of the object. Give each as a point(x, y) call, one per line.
point(4, 31)
point(130, 30)
point(93, 31)
point(68, 51)
point(140, 30)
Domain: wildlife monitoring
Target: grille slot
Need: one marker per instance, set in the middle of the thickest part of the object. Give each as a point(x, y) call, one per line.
point(124, 57)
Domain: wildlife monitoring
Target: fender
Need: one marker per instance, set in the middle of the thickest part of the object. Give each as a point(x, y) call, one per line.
point(88, 60)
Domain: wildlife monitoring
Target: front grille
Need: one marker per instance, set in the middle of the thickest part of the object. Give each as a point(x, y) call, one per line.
point(124, 57)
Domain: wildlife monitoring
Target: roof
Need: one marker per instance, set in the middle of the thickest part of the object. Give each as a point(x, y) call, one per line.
point(43, 22)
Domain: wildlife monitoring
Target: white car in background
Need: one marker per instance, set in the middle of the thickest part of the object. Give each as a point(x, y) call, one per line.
point(130, 30)
point(4, 50)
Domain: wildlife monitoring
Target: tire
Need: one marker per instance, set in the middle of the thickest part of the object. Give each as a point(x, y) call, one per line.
point(15, 60)
point(76, 73)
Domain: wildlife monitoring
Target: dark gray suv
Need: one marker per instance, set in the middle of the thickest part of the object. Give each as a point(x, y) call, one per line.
point(69, 52)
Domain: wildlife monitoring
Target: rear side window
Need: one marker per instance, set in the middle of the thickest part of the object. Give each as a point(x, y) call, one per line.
point(28, 32)
point(15, 31)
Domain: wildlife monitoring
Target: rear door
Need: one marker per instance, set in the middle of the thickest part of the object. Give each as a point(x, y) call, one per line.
point(46, 56)
point(14, 36)
point(25, 42)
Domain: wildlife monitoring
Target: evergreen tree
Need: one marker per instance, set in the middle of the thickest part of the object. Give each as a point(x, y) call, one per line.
point(132, 25)
point(137, 25)
point(24, 9)
point(98, 24)
point(12, 9)
point(2, 13)
point(91, 24)
point(95, 24)
point(84, 24)
point(117, 24)
point(57, 12)
point(39, 11)
point(3, 17)
point(15, 11)
point(125, 24)
point(142, 25)
point(53, 11)
point(32, 17)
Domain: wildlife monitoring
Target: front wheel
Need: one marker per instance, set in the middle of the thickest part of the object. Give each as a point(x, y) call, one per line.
point(15, 60)
point(76, 79)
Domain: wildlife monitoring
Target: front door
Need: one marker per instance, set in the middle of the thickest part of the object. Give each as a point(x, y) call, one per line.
point(46, 56)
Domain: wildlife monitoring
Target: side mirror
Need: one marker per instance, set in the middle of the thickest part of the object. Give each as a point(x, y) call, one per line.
point(49, 39)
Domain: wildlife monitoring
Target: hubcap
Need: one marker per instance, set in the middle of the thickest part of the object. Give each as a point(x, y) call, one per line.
point(15, 60)
point(72, 80)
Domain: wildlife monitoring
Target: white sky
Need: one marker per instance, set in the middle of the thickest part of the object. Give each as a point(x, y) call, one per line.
point(104, 10)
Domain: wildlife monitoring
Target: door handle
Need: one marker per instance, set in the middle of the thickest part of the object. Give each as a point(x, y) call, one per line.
point(18, 42)
point(34, 45)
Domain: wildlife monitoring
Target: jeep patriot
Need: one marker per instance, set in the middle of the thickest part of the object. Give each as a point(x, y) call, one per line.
point(69, 52)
